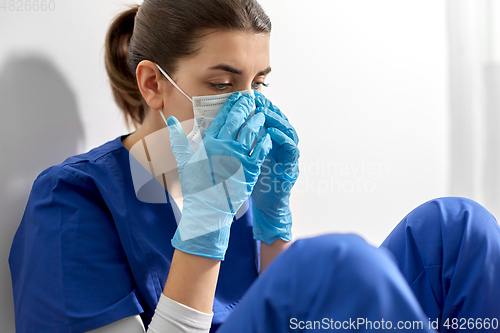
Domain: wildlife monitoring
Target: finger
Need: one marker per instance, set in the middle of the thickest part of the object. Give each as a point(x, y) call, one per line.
point(289, 152)
point(178, 141)
point(274, 120)
point(280, 137)
point(236, 117)
point(276, 117)
point(262, 101)
point(262, 148)
point(220, 119)
point(250, 130)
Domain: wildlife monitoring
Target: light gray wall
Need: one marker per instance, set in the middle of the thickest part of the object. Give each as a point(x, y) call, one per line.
point(364, 82)
point(474, 34)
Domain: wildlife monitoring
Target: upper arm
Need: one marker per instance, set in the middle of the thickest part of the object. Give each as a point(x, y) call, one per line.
point(69, 270)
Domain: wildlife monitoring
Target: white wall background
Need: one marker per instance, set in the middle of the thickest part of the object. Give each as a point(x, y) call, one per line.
point(474, 30)
point(364, 82)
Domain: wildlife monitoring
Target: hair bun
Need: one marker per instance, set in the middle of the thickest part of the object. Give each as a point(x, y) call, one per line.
point(123, 83)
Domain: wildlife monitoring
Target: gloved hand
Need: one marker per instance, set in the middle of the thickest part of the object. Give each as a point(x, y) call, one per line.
point(218, 178)
point(272, 216)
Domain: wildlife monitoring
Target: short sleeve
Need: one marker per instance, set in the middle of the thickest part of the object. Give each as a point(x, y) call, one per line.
point(69, 270)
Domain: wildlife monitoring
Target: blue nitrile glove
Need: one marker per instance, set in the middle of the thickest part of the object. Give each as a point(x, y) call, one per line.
point(218, 178)
point(272, 217)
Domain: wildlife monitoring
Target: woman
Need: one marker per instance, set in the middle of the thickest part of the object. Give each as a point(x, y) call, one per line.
point(99, 250)
point(92, 217)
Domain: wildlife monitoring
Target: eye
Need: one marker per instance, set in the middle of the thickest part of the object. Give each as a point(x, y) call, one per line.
point(220, 86)
point(257, 85)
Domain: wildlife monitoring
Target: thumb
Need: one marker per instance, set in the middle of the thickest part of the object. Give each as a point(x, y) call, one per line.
point(180, 145)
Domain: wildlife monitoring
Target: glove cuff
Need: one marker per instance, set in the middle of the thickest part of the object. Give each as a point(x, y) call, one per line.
point(268, 231)
point(217, 240)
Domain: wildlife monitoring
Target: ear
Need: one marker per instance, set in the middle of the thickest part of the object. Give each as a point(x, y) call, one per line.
point(151, 84)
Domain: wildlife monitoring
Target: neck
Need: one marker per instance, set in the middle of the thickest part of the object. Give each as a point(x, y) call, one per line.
point(141, 141)
point(152, 123)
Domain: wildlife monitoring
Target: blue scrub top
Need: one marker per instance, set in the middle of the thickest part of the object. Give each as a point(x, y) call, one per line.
point(88, 253)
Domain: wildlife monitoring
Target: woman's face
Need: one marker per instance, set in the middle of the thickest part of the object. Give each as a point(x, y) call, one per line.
point(227, 61)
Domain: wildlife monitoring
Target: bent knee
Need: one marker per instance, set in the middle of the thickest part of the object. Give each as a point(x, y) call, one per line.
point(329, 246)
point(441, 228)
point(452, 213)
point(344, 253)
point(343, 267)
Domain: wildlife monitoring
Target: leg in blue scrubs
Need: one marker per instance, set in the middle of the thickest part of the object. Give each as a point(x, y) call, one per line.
point(329, 282)
point(448, 249)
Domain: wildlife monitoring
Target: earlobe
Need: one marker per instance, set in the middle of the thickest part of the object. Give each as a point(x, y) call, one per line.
point(150, 84)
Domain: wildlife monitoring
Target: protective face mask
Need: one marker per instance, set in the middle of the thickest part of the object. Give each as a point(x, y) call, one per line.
point(205, 110)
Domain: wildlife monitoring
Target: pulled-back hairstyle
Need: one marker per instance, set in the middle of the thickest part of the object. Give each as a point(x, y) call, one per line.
point(165, 31)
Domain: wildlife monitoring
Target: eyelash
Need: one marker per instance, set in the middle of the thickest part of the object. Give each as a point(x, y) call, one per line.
point(223, 86)
point(220, 86)
point(263, 84)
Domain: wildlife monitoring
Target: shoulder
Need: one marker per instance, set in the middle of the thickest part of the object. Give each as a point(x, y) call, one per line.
point(103, 163)
point(82, 188)
point(68, 264)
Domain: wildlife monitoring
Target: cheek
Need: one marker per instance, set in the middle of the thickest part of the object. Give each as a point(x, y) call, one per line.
point(182, 109)
point(187, 125)
point(179, 106)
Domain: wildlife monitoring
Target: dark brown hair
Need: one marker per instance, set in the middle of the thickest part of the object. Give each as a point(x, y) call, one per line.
point(165, 31)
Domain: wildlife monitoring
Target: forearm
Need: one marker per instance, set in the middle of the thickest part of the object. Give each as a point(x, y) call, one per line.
point(192, 280)
point(269, 252)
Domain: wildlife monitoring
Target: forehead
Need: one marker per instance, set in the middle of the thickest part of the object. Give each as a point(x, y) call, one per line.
point(245, 50)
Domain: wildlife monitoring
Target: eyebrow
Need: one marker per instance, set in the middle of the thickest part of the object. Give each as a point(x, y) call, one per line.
point(265, 71)
point(233, 70)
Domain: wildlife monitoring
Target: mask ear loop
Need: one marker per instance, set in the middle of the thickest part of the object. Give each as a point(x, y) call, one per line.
point(163, 116)
point(173, 83)
point(176, 86)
